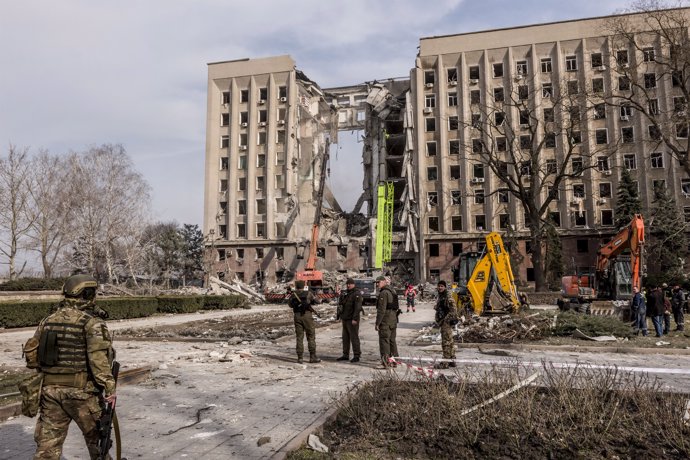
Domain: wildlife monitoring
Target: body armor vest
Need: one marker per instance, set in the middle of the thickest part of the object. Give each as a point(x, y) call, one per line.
point(62, 348)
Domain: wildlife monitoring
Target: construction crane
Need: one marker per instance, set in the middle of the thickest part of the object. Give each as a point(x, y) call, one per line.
point(311, 276)
point(492, 269)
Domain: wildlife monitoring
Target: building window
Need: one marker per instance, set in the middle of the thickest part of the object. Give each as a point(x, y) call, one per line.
point(626, 112)
point(622, 57)
point(546, 90)
point(503, 221)
point(627, 135)
point(224, 163)
point(657, 160)
point(526, 142)
point(476, 120)
point(433, 250)
point(280, 181)
point(280, 158)
point(546, 65)
point(260, 183)
point(243, 140)
point(682, 130)
point(260, 161)
point(454, 147)
point(477, 146)
point(548, 115)
point(524, 118)
point(554, 193)
point(432, 199)
point(475, 97)
point(679, 104)
point(499, 118)
point(577, 165)
point(576, 137)
point(523, 92)
point(654, 132)
point(453, 123)
point(479, 196)
point(261, 230)
point(224, 119)
point(452, 99)
point(653, 107)
point(598, 85)
point(241, 184)
point(430, 101)
point(550, 140)
point(580, 219)
point(604, 190)
point(242, 207)
point(629, 161)
point(224, 142)
point(263, 116)
point(429, 78)
point(623, 83)
point(242, 162)
point(555, 218)
point(223, 205)
point(223, 187)
point(571, 63)
point(573, 87)
point(225, 97)
point(498, 70)
point(499, 94)
point(263, 95)
point(658, 186)
point(648, 54)
point(474, 72)
point(602, 136)
point(282, 92)
point(480, 222)
point(599, 111)
point(579, 190)
point(433, 223)
point(244, 95)
point(456, 223)
point(261, 206)
point(501, 144)
point(241, 233)
point(431, 149)
point(677, 78)
point(452, 74)
point(521, 68)
point(503, 196)
point(430, 124)
point(597, 60)
point(650, 80)
point(582, 246)
point(455, 197)
point(244, 118)
point(603, 163)
point(454, 172)
point(431, 173)
point(478, 171)
point(457, 249)
point(685, 187)
point(551, 166)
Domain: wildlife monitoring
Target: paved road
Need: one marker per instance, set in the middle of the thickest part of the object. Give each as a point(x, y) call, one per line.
point(215, 401)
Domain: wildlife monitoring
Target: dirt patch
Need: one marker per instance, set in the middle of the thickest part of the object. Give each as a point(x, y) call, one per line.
point(265, 326)
point(580, 413)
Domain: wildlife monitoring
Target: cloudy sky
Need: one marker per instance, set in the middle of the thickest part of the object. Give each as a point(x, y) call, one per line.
point(77, 73)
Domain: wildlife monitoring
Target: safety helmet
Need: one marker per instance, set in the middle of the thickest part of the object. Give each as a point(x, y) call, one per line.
point(75, 285)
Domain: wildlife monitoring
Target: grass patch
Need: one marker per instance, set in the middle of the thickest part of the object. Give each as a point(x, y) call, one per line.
point(590, 325)
point(577, 413)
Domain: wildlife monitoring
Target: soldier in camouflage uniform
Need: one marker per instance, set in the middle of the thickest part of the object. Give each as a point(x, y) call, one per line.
point(75, 354)
point(349, 309)
point(445, 315)
point(301, 303)
point(386, 321)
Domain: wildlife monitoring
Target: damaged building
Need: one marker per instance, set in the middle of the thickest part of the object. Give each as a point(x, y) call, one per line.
point(269, 128)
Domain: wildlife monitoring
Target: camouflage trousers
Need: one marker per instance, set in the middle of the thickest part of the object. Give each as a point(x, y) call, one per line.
point(387, 332)
point(304, 324)
point(59, 406)
point(447, 343)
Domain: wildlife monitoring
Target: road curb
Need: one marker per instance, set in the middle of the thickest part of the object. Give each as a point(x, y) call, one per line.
point(296, 442)
point(576, 348)
point(127, 377)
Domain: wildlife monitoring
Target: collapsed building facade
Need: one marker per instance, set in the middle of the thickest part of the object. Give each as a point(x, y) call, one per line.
point(269, 128)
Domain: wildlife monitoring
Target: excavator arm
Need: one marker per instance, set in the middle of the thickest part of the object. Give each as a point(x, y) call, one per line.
point(631, 237)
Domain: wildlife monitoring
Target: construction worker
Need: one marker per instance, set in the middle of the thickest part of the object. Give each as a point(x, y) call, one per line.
point(446, 318)
point(302, 303)
point(387, 311)
point(75, 354)
point(349, 310)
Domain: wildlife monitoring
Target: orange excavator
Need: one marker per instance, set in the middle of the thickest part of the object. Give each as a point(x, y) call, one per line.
point(615, 273)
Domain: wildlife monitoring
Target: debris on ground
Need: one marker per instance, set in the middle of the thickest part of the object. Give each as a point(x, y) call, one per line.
point(315, 443)
point(578, 334)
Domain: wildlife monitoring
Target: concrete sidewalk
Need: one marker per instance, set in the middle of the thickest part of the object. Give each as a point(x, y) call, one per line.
point(216, 401)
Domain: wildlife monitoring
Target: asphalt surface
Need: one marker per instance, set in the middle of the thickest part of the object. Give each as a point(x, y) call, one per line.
point(213, 400)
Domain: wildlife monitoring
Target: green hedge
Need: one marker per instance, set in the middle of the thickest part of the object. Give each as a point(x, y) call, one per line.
point(224, 302)
point(33, 284)
point(30, 313)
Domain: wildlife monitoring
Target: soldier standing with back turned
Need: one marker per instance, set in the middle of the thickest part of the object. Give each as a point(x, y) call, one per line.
point(74, 353)
point(386, 321)
point(301, 303)
point(350, 307)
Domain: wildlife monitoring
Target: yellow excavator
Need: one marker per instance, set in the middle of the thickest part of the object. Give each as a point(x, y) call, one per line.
point(491, 270)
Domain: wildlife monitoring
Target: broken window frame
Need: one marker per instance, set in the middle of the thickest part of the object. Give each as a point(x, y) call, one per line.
point(454, 172)
point(433, 224)
point(546, 90)
point(454, 147)
point(577, 166)
point(653, 107)
point(656, 159)
point(630, 161)
point(260, 229)
point(479, 196)
point(606, 217)
point(603, 164)
point(480, 222)
point(473, 72)
point(546, 65)
point(598, 85)
point(605, 190)
point(498, 70)
point(455, 197)
point(241, 207)
point(429, 77)
point(431, 150)
point(241, 233)
point(648, 54)
point(601, 136)
point(579, 191)
point(650, 80)
point(499, 94)
point(628, 134)
point(224, 162)
point(456, 223)
point(431, 173)
point(451, 74)
point(241, 184)
point(596, 60)
point(224, 119)
point(432, 199)
point(521, 68)
point(453, 123)
point(244, 96)
point(430, 124)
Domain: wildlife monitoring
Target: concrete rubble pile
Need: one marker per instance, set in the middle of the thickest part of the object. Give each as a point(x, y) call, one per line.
point(493, 329)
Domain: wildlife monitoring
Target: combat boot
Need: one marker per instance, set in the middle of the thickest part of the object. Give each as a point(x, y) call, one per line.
point(313, 358)
point(299, 359)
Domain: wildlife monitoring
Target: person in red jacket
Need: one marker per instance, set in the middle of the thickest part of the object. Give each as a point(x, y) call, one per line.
point(410, 294)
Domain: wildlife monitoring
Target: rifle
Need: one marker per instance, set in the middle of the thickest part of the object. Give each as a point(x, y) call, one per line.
point(105, 423)
point(309, 308)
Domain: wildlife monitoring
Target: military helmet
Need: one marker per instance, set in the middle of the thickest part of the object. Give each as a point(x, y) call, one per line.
point(75, 285)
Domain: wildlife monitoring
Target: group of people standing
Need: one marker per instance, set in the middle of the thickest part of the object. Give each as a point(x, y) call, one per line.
point(659, 306)
point(386, 323)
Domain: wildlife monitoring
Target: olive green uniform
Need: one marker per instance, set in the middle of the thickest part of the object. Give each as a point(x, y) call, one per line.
point(304, 322)
point(387, 323)
point(444, 306)
point(76, 367)
point(350, 310)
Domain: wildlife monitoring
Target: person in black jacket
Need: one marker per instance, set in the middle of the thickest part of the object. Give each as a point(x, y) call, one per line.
point(349, 309)
point(655, 309)
point(677, 305)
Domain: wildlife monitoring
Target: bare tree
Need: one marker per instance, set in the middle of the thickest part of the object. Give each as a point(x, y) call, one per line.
point(14, 195)
point(50, 208)
point(111, 199)
point(651, 67)
point(535, 137)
